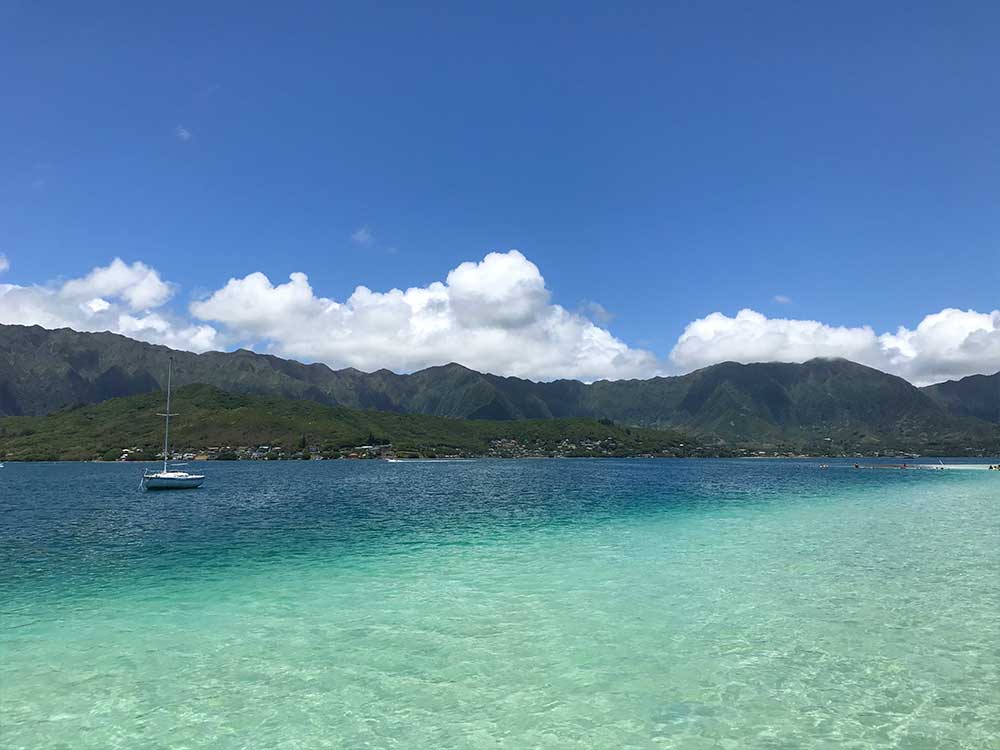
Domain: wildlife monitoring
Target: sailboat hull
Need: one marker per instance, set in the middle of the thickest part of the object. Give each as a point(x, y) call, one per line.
point(189, 482)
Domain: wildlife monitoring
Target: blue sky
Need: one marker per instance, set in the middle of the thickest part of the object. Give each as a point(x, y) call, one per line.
point(665, 160)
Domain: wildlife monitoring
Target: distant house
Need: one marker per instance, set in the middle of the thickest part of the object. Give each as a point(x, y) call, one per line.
point(373, 450)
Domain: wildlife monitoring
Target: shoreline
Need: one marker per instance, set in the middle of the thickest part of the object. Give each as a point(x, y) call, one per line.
point(911, 463)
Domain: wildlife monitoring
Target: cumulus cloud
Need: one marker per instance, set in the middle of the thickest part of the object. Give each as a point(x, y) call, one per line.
point(4, 263)
point(182, 133)
point(494, 315)
point(119, 297)
point(137, 284)
point(948, 344)
point(753, 337)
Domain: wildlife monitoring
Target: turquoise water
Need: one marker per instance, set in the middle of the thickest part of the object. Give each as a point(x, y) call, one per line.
point(520, 604)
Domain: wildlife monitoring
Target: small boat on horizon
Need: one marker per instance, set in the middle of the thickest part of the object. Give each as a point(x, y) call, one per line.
point(168, 479)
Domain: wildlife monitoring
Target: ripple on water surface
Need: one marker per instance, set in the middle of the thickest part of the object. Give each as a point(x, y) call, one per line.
point(559, 604)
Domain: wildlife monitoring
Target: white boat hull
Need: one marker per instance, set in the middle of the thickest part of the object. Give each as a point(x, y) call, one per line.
point(172, 481)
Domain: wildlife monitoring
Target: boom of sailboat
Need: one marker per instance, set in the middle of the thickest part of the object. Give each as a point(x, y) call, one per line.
point(167, 478)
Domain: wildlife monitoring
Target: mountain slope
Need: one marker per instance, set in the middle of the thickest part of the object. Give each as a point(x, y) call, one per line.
point(42, 370)
point(208, 417)
point(808, 404)
point(975, 396)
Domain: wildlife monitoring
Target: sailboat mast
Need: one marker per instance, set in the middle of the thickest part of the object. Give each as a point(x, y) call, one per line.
point(166, 431)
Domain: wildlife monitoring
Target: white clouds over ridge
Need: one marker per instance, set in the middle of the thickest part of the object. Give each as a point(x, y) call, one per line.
point(946, 345)
point(138, 285)
point(495, 315)
point(118, 297)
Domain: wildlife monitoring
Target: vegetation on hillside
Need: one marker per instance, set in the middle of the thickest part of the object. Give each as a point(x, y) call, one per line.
point(210, 418)
point(973, 396)
point(225, 425)
point(820, 407)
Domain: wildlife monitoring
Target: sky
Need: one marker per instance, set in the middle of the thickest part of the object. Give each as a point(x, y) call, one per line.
point(584, 190)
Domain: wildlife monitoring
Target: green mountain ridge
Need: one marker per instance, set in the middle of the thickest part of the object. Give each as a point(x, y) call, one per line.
point(210, 418)
point(973, 396)
point(234, 425)
point(808, 404)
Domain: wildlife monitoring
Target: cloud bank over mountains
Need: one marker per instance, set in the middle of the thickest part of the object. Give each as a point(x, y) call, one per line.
point(495, 315)
point(945, 345)
point(120, 297)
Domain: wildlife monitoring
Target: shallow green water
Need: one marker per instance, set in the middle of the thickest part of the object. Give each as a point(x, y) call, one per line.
point(554, 604)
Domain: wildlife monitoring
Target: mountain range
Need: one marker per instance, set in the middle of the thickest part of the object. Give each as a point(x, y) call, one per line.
point(804, 404)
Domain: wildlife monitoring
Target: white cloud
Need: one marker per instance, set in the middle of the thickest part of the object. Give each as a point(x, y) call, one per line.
point(494, 316)
point(159, 329)
point(97, 305)
point(137, 284)
point(117, 297)
point(752, 337)
point(363, 236)
point(782, 299)
point(4, 263)
point(948, 344)
point(182, 133)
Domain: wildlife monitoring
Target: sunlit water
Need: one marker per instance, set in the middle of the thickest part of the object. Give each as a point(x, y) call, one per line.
point(490, 604)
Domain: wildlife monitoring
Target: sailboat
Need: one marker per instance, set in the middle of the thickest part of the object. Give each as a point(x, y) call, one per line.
point(168, 479)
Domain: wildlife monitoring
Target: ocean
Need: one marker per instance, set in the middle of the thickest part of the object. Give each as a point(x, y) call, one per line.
point(501, 604)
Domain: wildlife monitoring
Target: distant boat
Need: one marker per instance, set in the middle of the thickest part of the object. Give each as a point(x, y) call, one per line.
point(168, 479)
